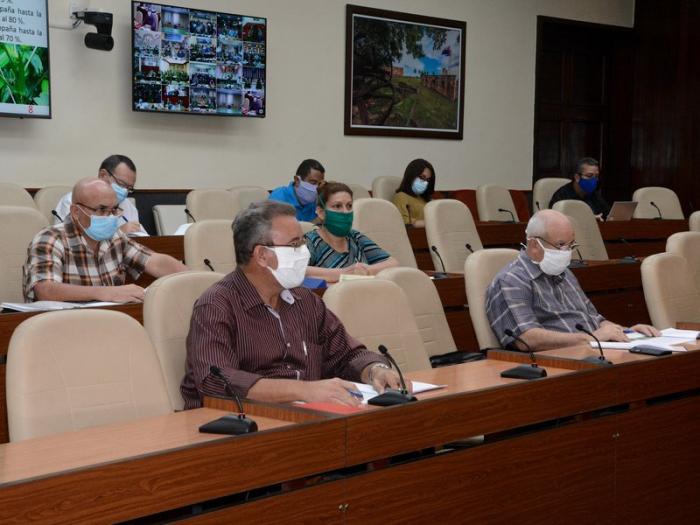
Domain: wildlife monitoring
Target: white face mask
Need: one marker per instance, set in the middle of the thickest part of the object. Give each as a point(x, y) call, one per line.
point(554, 261)
point(291, 265)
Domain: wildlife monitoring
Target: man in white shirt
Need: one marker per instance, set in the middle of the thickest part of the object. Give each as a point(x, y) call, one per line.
point(119, 172)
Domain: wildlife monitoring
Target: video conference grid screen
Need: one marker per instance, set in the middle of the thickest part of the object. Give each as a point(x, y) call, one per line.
point(197, 62)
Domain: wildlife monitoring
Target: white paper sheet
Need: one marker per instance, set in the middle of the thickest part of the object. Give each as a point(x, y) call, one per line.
point(47, 306)
point(368, 392)
point(662, 343)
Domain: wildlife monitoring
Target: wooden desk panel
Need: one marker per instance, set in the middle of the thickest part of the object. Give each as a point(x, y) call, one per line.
point(171, 244)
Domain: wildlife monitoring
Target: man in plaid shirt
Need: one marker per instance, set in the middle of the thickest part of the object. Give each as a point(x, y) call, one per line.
point(87, 257)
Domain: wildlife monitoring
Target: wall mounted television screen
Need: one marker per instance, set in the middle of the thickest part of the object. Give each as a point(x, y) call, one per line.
point(192, 61)
point(24, 59)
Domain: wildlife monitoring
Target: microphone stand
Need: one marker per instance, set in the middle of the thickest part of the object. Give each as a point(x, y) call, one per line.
point(658, 210)
point(628, 259)
point(392, 397)
point(578, 263)
point(443, 273)
point(232, 424)
point(527, 372)
point(512, 217)
point(596, 360)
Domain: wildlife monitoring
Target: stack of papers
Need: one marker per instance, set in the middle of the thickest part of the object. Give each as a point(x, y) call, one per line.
point(47, 306)
point(669, 340)
point(353, 277)
point(368, 392)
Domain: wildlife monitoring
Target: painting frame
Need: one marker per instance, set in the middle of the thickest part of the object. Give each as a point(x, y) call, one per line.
point(359, 120)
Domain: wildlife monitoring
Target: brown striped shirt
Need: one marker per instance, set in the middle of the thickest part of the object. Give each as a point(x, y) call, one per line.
point(234, 329)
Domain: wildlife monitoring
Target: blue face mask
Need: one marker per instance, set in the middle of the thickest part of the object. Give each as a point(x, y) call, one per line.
point(588, 185)
point(306, 192)
point(102, 228)
point(122, 193)
point(419, 186)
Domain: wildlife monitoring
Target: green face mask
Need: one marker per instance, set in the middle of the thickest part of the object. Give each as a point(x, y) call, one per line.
point(338, 223)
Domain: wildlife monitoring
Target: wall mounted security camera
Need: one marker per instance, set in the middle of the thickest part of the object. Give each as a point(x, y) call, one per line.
point(101, 40)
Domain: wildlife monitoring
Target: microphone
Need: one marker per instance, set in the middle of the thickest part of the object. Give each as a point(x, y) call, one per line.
point(392, 397)
point(469, 247)
point(599, 360)
point(512, 217)
point(55, 214)
point(229, 424)
point(208, 263)
point(579, 263)
point(187, 212)
point(531, 371)
point(410, 219)
point(628, 258)
point(537, 203)
point(658, 210)
point(443, 273)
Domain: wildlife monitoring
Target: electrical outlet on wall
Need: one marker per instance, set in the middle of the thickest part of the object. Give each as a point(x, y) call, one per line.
point(61, 12)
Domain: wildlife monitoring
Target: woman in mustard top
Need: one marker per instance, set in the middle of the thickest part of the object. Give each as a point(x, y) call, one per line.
point(415, 192)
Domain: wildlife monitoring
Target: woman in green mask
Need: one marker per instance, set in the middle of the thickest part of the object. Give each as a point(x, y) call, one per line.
point(335, 247)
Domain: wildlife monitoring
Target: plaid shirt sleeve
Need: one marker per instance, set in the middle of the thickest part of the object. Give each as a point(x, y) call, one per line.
point(45, 258)
point(135, 257)
point(509, 306)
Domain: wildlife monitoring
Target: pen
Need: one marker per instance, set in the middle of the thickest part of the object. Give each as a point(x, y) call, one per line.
point(125, 219)
point(355, 393)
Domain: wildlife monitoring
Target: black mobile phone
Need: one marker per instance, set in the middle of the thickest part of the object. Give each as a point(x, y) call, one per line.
point(649, 350)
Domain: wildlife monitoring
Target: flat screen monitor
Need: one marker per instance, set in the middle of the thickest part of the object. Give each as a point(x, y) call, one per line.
point(197, 62)
point(24, 59)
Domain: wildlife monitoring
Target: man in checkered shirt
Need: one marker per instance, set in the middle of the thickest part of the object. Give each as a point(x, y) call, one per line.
point(87, 257)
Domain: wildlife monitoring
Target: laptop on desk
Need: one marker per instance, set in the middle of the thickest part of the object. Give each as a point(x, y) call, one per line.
point(622, 211)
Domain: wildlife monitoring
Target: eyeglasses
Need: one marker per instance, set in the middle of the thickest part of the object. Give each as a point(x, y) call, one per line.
point(102, 211)
point(568, 246)
point(294, 244)
point(129, 188)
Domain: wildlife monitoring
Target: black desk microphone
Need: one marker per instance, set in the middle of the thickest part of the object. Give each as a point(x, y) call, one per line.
point(512, 217)
point(187, 212)
point(596, 360)
point(531, 371)
point(229, 424)
point(658, 210)
point(392, 397)
point(469, 247)
point(55, 214)
point(207, 262)
point(443, 273)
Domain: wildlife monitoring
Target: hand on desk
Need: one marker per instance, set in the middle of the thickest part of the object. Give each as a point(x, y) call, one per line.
point(128, 293)
point(646, 329)
point(614, 332)
point(331, 391)
point(383, 378)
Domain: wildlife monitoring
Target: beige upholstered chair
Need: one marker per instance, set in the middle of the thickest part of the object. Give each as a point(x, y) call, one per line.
point(244, 196)
point(664, 198)
point(694, 222)
point(669, 290)
point(18, 226)
point(306, 227)
point(167, 310)
point(544, 189)
point(169, 217)
point(687, 245)
point(449, 226)
point(80, 368)
point(15, 195)
point(479, 270)
point(211, 240)
point(385, 187)
point(376, 312)
point(359, 191)
point(424, 301)
point(492, 197)
point(46, 199)
point(586, 229)
point(381, 221)
point(207, 205)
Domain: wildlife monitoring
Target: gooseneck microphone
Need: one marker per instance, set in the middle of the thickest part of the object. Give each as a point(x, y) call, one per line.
point(531, 371)
point(443, 273)
point(512, 217)
point(55, 214)
point(577, 263)
point(229, 424)
point(658, 210)
point(628, 258)
point(537, 203)
point(469, 247)
point(392, 397)
point(187, 212)
point(596, 360)
point(207, 262)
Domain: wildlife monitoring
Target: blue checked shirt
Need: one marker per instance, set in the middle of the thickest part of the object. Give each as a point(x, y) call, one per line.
point(522, 297)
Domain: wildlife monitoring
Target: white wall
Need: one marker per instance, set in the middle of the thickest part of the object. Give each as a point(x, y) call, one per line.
point(92, 114)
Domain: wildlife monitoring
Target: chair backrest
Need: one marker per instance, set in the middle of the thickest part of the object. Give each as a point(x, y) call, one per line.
point(167, 310)
point(211, 240)
point(544, 189)
point(492, 197)
point(359, 191)
point(694, 222)
point(244, 196)
point(385, 187)
point(207, 205)
point(669, 291)
point(169, 217)
point(424, 301)
point(449, 226)
point(381, 221)
point(479, 271)
point(306, 226)
point(586, 229)
point(15, 195)
point(664, 198)
point(687, 245)
point(47, 198)
point(18, 226)
point(79, 368)
point(468, 198)
point(375, 312)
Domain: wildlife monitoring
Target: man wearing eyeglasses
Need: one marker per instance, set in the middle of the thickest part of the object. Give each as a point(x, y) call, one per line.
point(540, 300)
point(584, 187)
point(119, 172)
point(86, 257)
point(273, 340)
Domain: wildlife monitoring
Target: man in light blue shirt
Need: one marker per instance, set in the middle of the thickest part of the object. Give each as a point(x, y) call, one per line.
point(302, 191)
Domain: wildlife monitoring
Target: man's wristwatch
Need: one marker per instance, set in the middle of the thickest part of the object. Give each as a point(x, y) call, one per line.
point(372, 367)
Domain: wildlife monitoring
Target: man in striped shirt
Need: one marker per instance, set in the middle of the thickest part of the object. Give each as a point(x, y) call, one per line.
point(540, 300)
point(271, 339)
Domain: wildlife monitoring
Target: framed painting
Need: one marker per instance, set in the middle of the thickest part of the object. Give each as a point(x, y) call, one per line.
point(404, 74)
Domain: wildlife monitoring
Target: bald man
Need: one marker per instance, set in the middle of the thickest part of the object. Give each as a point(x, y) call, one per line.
point(539, 299)
point(87, 257)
